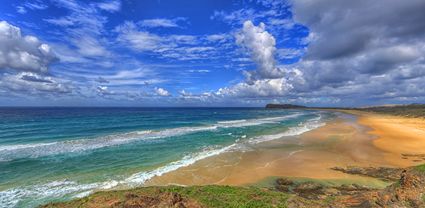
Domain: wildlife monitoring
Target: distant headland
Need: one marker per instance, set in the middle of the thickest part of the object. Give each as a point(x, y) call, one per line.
point(284, 106)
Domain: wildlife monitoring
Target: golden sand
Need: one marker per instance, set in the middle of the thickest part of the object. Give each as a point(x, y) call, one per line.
point(395, 135)
point(374, 140)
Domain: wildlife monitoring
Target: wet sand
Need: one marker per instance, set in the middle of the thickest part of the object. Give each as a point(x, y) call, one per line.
point(372, 140)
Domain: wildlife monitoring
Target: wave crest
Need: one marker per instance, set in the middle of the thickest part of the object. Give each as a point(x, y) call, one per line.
point(11, 152)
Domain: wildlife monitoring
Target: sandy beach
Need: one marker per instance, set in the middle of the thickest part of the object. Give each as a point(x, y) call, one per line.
point(354, 139)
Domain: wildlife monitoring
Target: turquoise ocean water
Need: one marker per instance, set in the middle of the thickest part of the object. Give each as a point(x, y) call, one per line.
point(50, 154)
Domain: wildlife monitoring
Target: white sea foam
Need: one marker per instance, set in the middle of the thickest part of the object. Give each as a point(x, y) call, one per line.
point(142, 177)
point(12, 197)
point(11, 152)
point(255, 122)
point(231, 121)
point(292, 131)
point(23, 146)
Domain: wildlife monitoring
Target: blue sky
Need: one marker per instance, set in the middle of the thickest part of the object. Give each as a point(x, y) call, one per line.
point(208, 53)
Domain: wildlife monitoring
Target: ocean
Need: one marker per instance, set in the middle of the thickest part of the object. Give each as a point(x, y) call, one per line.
point(51, 154)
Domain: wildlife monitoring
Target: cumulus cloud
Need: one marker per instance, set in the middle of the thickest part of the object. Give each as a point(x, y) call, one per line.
point(267, 80)
point(259, 88)
point(262, 47)
point(23, 53)
point(26, 61)
point(162, 92)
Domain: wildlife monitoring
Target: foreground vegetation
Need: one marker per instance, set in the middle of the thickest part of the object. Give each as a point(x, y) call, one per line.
point(175, 196)
point(406, 189)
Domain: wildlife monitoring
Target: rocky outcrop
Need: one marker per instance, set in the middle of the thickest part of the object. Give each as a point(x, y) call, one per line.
point(387, 174)
point(407, 191)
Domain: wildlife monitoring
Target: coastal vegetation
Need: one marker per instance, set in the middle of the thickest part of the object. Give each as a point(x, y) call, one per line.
point(411, 110)
point(405, 190)
point(177, 196)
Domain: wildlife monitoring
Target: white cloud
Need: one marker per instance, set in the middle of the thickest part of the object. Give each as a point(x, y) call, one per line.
point(63, 21)
point(259, 88)
point(267, 80)
point(110, 6)
point(160, 22)
point(104, 91)
point(139, 40)
point(36, 5)
point(238, 17)
point(24, 53)
point(21, 10)
point(162, 92)
point(180, 47)
point(218, 37)
point(199, 71)
point(84, 25)
point(284, 23)
point(90, 46)
point(262, 47)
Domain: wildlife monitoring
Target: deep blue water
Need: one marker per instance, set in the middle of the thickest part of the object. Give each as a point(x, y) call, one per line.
point(59, 153)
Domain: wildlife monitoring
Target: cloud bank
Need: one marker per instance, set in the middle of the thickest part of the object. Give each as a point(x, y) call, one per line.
point(367, 50)
point(23, 53)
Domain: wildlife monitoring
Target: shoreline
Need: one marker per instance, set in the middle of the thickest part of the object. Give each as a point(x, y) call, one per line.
point(341, 142)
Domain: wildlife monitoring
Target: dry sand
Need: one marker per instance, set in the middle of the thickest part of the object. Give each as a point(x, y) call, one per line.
point(402, 139)
point(373, 140)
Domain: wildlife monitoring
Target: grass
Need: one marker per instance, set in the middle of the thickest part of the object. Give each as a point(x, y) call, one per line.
point(420, 168)
point(413, 110)
point(207, 196)
point(329, 199)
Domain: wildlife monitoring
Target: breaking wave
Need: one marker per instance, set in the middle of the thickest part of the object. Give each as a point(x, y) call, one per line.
point(11, 152)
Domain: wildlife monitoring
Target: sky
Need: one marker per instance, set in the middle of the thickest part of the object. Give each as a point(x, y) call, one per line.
point(160, 53)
